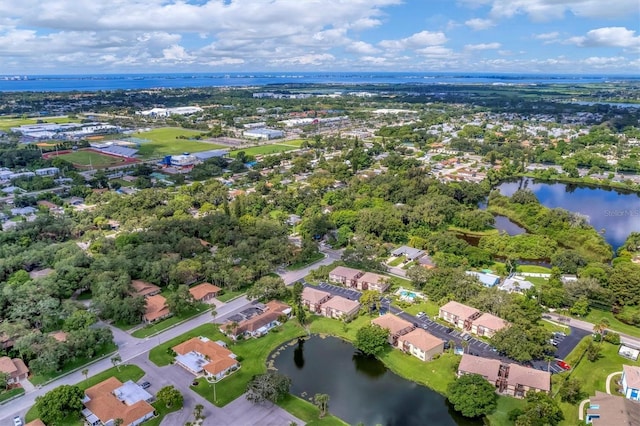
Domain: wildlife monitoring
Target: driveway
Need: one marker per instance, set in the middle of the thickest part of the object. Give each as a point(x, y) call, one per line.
point(330, 256)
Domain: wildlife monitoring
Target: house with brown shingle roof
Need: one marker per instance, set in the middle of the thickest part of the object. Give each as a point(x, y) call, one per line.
point(508, 378)
point(15, 369)
point(487, 325)
point(371, 281)
point(608, 410)
point(201, 356)
point(339, 307)
point(204, 292)
point(396, 326)
point(111, 399)
point(460, 315)
point(144, 289)
point(156, 309)
point(421, 344)
point(345, 276)
point(312, 298)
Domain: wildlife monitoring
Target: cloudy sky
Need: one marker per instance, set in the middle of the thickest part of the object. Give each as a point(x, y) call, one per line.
point(107, 36)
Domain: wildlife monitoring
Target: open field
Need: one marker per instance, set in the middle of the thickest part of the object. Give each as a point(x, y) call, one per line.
point(86, 158)
point(264, 149)
point(7, 123)
point(164, 141)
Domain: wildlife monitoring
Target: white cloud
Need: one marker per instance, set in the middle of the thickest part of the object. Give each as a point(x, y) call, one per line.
point(483, 46)
point(544, 10)
point(435, 52)
point(479, 24)
point(415, 41)
point(547, 36)
point(362, 48)
point(608, 37)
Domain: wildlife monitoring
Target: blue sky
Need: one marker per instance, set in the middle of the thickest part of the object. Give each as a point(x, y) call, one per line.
point(548, 36)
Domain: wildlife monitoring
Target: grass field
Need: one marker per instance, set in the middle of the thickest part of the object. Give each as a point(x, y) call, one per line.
point(293, 142)
point(596, 315)
point(10, 394)
point(7, 123)
point(164, 141)
point(86, 158)
point(264, 149)
point(500, 417)
point(304, 410)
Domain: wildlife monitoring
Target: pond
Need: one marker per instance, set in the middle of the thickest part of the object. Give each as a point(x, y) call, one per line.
point(503, 224)
point(615, 212)
point(361, 388)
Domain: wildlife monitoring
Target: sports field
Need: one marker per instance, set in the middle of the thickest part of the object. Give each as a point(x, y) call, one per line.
point(8, 123)
point(88, 158)
point(165, 141)
point(264, 149)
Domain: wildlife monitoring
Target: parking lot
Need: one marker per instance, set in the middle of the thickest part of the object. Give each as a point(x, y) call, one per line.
point(347, 293)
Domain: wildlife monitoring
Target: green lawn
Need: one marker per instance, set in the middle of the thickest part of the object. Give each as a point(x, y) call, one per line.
point(596, 315)
point(296, 266)
point(347, 331)
point(230, 294)
point(253, 353)
point(39, 379)
point(90, 158)
point(159, 326)
point(537, 281)
point(264, 149)
point(293, 142)
point(161, 411)
point(7, 123)
point(309, 413)
point(126, 372)
point(164, 141)
point(553, 327)
point(534, 269)
point(396, 261)
point(10, 394)
point(592, 375)
point(430, 308)
point(500, 417)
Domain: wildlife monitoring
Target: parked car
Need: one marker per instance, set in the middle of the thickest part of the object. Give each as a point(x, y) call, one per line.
point(420, 314)
point(446, 345)
point(145, 385)
point(563, 365)
point(467, 337)
point(449, 330)
point(17, 421)
point(553, 342)
point(559, 334)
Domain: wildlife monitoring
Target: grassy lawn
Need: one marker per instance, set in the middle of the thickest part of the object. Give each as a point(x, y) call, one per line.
point(230, 294)
point(86, 158)
point(296, 266)
point(553, 327)
point(253, 353)
point(161, 411)
point(500, 417)
point(347, 331)
point(409, 265)
point(308, 412)
point(126, 372)
point(164, 141)
point(7, 123)
point(264, 149)
point(294, 142)
point(592, 375)
point(169, 322)
point(396, 261)
point(124, 326)
point(537, 281)
point(428, 307)
point(10, 394)
point(596, 315)
point(534, 269)
point(38, 379)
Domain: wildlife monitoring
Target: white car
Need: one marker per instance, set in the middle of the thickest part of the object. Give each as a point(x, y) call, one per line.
point(17, 421)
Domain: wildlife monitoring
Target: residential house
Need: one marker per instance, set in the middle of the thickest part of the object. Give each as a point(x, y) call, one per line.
point(516, 285)
point(631, 382)
point(409, 253)
point(201, 356)
point(397, 326)
point(313, 298)
point(111, 399)
point(15, 369)
point(60, 336)
point(509, 379)
point(460, 315)
point(204, 292)
point(144, 289)
point(487, 325)
point(156, 309)
point(487, 280)
point(371, 281)
point(421, 344)
point(608, 410)
point(345, 276)
point(339, 307)
point(260, 324)
point(426, 262)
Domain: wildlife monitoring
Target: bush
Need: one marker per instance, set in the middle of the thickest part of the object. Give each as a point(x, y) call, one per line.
point(613, 338)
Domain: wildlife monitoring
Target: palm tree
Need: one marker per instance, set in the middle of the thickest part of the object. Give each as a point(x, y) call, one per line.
point(600, 327)
point(214, 313)
point(465, 345)
point(116, 360)
point(85, 373)
point(322, 402)
point(231, 325)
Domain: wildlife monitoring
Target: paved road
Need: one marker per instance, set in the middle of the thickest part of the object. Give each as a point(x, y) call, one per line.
point(129, 348)
point(290, 277)
point(588, 327)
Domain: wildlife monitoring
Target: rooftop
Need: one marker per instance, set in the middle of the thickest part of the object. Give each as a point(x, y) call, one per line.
point(143, 288)
point(313, 295)
point(105, 405)
point(348, 273)
point(459, 310)
point(198, 352)
point(156, 308)
point(421, 339)
point(613, 410)
point(341, 304)
point(632, 375)
point(491, 322)
point(392, 323)
point(530, 377)
point(487, 368)
point(200, 291)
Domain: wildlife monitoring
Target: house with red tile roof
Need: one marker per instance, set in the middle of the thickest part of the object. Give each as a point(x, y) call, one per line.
point(203, 357)
point(339, 307)
point(144, 289)
point(260, 324)
point(156, 309)
point(420, 344)
point(204, 292)
point(111, 399)
point(15, 369)
point(396, 326)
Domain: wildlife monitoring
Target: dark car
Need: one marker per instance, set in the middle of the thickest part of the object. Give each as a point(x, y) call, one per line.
point(145, 385)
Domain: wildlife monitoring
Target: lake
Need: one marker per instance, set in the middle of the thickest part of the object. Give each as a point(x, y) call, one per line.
point(614, 211)
point(361, 388)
